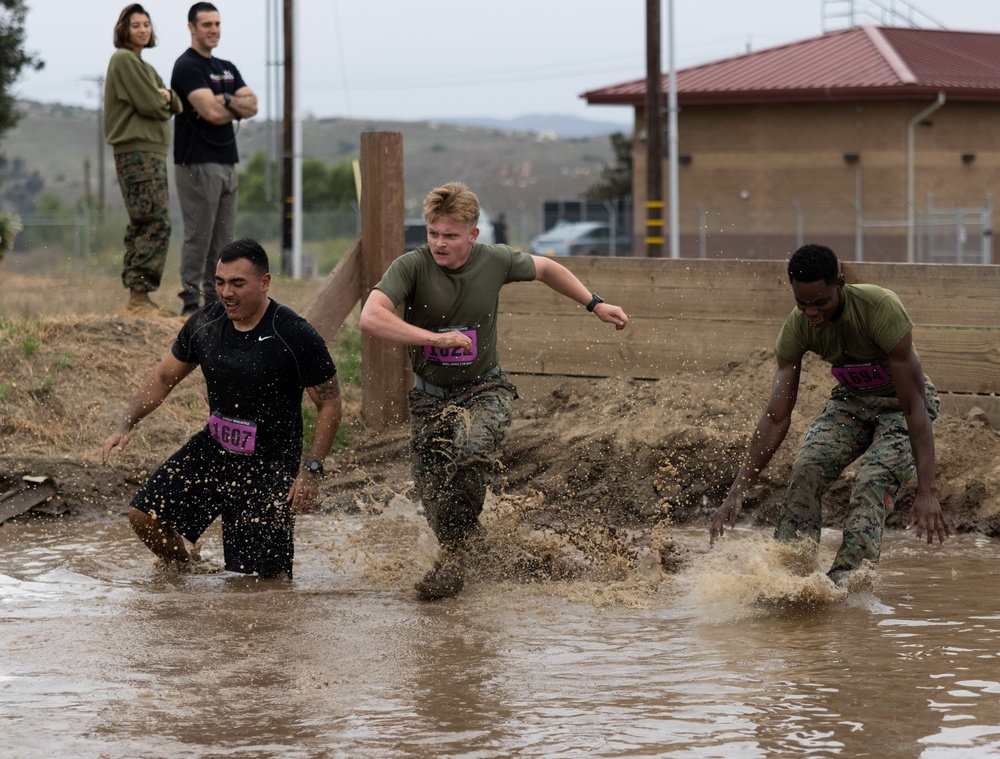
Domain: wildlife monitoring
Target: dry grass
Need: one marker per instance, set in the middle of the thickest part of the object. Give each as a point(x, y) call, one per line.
point(71, 357)
point(44, 284)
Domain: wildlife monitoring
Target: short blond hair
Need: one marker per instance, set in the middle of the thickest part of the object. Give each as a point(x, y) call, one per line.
point(453, 200)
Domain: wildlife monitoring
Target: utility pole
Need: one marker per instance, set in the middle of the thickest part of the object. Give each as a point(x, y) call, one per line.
point(288, 141)
point(268, 110)
point(99, 81)
point(654, 134)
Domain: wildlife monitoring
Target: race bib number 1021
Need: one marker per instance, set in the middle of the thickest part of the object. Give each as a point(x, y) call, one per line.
point(453, 356)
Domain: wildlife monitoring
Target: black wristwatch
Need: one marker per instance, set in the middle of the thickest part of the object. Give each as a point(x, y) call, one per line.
point(313, 465)
point(227, 99)
point(594, 301)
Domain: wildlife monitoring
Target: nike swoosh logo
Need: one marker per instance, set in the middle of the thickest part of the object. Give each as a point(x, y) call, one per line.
point(264, 337)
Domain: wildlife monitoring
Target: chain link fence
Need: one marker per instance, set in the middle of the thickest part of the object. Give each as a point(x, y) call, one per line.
point(959, 234)
point(86, 233)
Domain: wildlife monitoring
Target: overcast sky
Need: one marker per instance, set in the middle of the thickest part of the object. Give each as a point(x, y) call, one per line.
point(406, 60)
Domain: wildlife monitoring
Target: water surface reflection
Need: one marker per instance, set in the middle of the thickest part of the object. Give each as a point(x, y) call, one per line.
point(104, 656)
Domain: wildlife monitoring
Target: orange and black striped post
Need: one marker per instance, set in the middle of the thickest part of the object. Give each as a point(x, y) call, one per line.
point(654, 228)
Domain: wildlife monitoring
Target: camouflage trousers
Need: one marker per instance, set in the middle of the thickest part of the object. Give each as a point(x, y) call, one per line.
point(851, 426)
point(143, 179)
point(452, 445)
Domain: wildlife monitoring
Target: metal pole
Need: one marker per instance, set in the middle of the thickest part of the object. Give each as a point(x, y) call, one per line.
point(100, 149)
point(612, 228)
point(276, 74)
point(287, 140)
point(702, 231)
point(987, 217)
point(859, 253)
point(910, 150)
point(99, 81)
point(268, 5)
point(297, 160)
point(672, 156)
point(799, 224)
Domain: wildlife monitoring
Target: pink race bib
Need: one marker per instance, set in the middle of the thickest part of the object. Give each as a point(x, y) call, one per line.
point(233, 434)
point(453, 355)
point(861, 377)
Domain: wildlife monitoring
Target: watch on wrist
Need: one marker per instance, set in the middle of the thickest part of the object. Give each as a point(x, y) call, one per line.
point(594, 301)
point(313, 465)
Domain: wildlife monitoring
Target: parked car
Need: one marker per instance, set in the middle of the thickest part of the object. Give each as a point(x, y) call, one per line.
point(582, 238)
point(415, 231)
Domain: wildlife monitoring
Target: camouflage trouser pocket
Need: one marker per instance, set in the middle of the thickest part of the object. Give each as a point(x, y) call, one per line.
point(453, 443)
point(143, 178)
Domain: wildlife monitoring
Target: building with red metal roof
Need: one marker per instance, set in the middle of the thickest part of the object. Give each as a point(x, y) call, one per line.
point(852, 139)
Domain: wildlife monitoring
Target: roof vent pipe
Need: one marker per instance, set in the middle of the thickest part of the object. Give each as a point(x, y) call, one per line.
point(910, 207)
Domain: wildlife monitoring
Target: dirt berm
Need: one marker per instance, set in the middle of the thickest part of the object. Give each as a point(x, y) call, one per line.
point(584, 455)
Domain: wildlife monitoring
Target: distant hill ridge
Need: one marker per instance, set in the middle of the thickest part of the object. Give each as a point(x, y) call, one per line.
point(567, 127)
point(513, 164)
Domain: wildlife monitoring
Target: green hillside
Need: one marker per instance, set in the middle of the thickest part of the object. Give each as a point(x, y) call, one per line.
point(511, 171)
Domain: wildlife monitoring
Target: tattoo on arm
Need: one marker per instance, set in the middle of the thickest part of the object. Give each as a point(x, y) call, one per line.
point(328, 390)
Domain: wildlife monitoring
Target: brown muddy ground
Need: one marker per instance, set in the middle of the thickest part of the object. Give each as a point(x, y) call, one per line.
point(586, 459)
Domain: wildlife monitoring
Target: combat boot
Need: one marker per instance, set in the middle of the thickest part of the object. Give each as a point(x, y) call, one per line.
point(445, 580)
point(139, 303)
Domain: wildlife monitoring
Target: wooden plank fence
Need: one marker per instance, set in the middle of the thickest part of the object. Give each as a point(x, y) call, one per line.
point(686, 314)
point(701, 314)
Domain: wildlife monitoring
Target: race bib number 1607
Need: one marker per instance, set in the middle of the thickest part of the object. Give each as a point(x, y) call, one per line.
point(234, 435)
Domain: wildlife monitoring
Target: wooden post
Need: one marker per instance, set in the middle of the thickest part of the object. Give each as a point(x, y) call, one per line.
point(383, 364)
point(339, 295)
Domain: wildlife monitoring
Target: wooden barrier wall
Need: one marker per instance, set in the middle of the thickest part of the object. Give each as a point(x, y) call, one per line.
point(701, 314)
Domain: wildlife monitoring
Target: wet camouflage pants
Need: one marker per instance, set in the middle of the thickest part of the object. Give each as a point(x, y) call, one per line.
point(452, 444)
point(851, 426)
point(143, 179)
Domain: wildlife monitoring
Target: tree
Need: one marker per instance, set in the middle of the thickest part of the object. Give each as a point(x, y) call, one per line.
point(19, 188)
point(326, 190)
point(13, 59)
point(616, 179)
point(323, 187)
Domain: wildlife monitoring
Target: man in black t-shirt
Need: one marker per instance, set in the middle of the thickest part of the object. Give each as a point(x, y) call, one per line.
point(257, 357)
point(205, 155)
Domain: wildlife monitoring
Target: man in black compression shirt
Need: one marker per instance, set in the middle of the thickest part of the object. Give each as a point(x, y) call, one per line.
point(257, 357)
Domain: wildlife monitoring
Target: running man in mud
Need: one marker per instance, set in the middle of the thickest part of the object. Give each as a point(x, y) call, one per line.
point(462, 401)
point(257, 357)
point(881, 411)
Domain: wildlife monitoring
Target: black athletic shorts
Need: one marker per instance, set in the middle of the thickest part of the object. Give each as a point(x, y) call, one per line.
point(203, 481)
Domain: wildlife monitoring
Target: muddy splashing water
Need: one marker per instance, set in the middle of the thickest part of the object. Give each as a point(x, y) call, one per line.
point(103, 655)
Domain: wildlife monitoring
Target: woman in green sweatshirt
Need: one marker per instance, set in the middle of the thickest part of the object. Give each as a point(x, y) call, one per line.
point(137, 111)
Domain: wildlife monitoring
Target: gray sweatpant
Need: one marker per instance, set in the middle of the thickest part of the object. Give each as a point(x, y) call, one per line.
point(208, 195)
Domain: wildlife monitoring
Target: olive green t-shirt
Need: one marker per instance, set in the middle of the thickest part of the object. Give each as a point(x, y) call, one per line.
point(857, 344)
point(466, 299)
